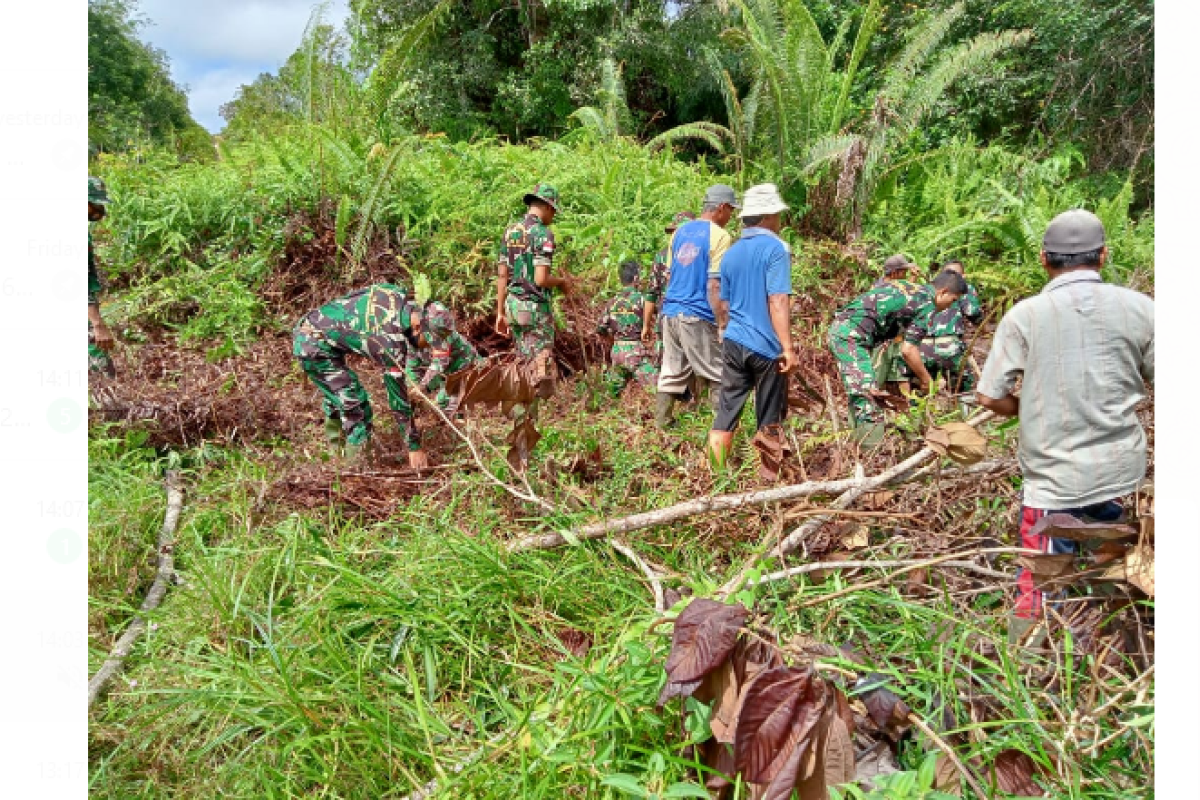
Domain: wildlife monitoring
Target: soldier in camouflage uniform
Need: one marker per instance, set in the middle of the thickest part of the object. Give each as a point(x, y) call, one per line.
point(871, 319)
point(375, 322)
point(624, 319)
point(939, 339)
point(100, 338)
point(660, 276)
point(886, 360)
point(441, 350)
point(524, 287)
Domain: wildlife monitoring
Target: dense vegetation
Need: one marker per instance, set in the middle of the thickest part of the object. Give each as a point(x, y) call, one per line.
point(132, 101)
point(313, 650)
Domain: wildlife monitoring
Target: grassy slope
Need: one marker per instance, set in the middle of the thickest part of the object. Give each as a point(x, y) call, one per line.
point(310, 654)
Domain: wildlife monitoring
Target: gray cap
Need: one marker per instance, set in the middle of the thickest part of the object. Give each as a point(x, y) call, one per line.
point(720, 193)
point(895, 264)
point(1074, 231)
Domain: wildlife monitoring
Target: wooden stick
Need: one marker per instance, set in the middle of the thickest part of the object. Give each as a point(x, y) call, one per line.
point(907, 562)
point(727, 502)
point(949, 751)
point(517, 493)
point(660, 600)
point(164, 574)
point(928, 563)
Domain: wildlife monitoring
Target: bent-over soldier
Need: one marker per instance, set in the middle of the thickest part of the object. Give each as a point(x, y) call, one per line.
point(440, 351)
point(624, 320)
point(872, 318)
point(375, 322)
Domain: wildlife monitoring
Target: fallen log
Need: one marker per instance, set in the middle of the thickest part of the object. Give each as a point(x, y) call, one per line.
point(164, 574)
point(734, 502)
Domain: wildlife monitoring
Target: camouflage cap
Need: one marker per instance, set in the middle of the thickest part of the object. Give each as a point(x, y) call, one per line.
point(97, 191)
point(437, 319)
point(680, 218)
point(544, 192)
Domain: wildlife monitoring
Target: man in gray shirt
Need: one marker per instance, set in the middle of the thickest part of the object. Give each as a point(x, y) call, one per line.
point(1084, 351)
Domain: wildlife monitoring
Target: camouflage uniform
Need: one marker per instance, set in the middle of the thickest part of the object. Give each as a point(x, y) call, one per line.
point(447, 351)
point(940, 336)
point(623, 319)
point(98, 360)
point(874, 317)
point(375, 322)
point(528, 244)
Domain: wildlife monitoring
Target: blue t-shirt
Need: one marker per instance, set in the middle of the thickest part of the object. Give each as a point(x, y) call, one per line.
point(757, 265)
point(696, 251)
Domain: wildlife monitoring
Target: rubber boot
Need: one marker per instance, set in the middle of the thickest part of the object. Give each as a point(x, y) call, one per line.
point(663, 404)
point(333, 435)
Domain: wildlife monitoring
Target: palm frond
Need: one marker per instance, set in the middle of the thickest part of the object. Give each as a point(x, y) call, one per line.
point(924, 40)
point(872, 16)
point(708, 132)
point(384, 79)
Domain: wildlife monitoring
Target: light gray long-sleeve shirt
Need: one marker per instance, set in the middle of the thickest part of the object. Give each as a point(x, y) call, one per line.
point(1085, 350)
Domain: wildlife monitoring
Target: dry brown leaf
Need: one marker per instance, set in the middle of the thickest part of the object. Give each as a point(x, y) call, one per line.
point(875, 501)
point(946, 777)
point(839, 754)
point(705, 634)
point(855, 536)
point(726, 701)
point(873, 762)
point(1065, 526)
point(1049, 569)
point(958, 441)
point(1139, 568)
point(1013, 773)
point(780, 712)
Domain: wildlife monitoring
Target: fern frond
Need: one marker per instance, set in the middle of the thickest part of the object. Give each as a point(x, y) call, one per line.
point(710, 133)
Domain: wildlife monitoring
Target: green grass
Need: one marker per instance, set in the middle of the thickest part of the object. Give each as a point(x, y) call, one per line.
point(315, 655)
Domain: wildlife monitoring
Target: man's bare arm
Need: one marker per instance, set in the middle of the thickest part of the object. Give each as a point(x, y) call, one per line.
point(1008, 406)
point(912, 357)
point(543, 278)
point(780, 308)
point(720, 307)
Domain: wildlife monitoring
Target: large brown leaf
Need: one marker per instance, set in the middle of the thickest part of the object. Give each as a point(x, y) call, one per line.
point(522, 440)
point(492, 382)
point(718, 756)
point(1013, 773)
point(1065, 526)
point(773, 451)
point(887, 711)
point(672, 690)
point(1139, 568)
point(779, 714)
point(874, 761)
point(721, 686)
point(839, 753)
point(705, 634)
point(1049, 570)
point(958, 440)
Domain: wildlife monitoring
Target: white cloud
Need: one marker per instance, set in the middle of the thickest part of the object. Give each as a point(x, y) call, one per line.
point(217, 46)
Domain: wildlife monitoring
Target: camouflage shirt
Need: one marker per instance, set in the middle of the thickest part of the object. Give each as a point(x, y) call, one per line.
point(444, 355)
point(660, 275)
point(623, 315)
point(375, 322)
point(951, 321)
point(95, 287)
point(527, 244)
point(882, 312)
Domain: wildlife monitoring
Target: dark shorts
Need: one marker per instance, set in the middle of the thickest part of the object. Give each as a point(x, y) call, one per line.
point(743, 370)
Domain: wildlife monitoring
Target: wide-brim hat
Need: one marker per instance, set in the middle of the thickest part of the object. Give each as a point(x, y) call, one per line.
point(762, 200)
point(97, 191)
point(544, 192)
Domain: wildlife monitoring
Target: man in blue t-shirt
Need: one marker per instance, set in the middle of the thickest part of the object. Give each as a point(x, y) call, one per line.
point(755, 296)
point(691, 345)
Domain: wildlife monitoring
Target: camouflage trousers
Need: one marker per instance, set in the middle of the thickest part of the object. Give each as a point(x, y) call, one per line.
point(343, 398)
point(630, 361)
point(943, 356)
point(98, 360)
point(532, 325)
point(858, 376)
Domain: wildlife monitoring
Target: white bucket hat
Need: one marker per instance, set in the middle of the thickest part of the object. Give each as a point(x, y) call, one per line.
point(761, 200)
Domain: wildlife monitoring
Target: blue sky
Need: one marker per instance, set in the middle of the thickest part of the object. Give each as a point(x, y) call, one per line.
point(217, 46)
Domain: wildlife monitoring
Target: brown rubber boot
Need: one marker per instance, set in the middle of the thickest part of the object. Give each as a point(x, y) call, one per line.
point(663, 404)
